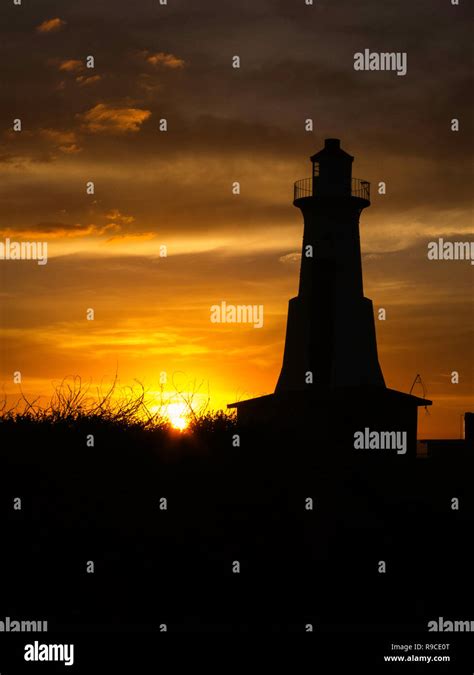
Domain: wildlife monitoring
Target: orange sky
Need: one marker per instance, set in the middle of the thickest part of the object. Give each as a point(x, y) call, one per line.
point(174, 188)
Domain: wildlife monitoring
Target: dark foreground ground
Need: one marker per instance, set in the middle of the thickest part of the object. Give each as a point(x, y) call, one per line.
point(300, 570)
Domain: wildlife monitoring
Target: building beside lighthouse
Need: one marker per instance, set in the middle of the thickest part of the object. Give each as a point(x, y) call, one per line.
point(331, 372)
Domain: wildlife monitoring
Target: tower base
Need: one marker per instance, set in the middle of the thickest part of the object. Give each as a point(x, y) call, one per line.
point(344, 419)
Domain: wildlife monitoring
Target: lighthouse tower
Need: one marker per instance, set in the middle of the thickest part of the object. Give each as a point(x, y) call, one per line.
point(330, 338)
point(331, 383)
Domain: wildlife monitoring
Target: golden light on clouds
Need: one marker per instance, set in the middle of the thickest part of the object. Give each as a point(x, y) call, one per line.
point(71, 65)
point(110, 119)
point(71, 149)
point(166, 60)
point(118, 217)
point(59, 137)
point(61, 231)
point(51, 25)
point(83, 81)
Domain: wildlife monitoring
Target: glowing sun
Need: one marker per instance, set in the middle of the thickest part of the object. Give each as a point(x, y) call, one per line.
point(177, 413)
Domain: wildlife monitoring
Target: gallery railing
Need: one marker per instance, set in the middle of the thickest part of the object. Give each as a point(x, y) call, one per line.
point(304, 188)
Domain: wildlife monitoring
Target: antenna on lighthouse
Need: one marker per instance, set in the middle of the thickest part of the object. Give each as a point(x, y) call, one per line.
point(419, 381)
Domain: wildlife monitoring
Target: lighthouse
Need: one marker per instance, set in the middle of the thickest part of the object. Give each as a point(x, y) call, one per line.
point(330, 338)
point(331, 375)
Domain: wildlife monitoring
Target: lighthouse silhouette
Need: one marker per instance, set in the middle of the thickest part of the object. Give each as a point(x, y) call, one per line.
point(330, 330)
point(331, 372)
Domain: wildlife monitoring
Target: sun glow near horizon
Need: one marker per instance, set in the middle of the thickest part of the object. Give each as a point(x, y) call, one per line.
point(176, 413)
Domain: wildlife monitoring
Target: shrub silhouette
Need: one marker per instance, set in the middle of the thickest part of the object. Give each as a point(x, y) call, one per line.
point(224, 502)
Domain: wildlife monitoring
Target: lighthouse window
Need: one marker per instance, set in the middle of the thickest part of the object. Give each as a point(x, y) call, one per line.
point(316, 169)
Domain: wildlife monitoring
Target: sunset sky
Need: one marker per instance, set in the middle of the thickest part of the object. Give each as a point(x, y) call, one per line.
point(174, 188)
